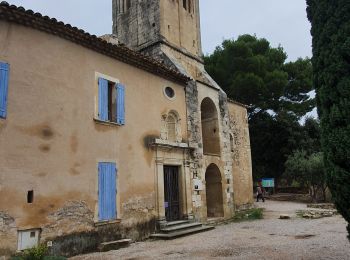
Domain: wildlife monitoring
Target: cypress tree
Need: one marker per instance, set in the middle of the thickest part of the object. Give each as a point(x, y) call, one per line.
point(330, 20)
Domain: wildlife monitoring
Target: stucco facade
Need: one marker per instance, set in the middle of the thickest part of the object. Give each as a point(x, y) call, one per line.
point(53, 140)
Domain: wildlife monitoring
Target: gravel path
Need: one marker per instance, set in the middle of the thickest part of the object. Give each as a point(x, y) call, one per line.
point(270, 238)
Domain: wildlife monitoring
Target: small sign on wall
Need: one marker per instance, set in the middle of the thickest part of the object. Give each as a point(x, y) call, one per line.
point(197, 184)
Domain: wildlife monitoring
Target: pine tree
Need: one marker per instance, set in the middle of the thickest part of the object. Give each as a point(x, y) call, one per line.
point(330, 20)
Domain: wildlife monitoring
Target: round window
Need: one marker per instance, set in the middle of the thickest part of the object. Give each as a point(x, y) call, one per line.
point(169, 92)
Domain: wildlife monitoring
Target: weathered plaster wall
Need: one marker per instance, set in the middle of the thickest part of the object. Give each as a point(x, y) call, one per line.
point(50, 143)
point(241, 154)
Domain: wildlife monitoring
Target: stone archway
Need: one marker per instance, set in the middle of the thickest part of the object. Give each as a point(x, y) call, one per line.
point(213, 187)
point(210, 127)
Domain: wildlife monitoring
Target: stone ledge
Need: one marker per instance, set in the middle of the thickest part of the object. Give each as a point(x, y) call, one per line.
point(114, 245)
point(108, 222)
point(167, 144)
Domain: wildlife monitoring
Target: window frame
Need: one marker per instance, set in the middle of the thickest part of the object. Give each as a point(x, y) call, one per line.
point(96, 117)
point(166, 95)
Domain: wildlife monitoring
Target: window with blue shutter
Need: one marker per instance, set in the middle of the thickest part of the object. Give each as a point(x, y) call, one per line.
point(4, 79)
point(103, 99)
point(107, 191)
point(111, 101)
point(120, 118)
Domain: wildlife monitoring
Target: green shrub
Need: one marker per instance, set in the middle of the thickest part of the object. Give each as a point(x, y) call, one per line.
point(36, 253)
point(250, 214)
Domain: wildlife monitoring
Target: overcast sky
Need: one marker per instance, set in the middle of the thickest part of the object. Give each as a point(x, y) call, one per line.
point(279, 21)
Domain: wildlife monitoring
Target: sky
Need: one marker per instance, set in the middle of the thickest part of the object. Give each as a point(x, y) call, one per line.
point(282, 22)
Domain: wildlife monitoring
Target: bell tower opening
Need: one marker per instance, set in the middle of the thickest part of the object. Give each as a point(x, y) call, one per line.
point(141, 24)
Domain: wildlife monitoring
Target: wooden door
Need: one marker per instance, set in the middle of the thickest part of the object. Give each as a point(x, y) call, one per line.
point(171, 193)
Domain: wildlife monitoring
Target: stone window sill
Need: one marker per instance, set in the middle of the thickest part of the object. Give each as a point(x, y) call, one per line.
point(107, 123)
point(166, 143)
point(107, 222)
point(212, 154)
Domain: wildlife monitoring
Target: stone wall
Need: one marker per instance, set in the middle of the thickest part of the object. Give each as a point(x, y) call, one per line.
point(139, 25)
point(73, 231)
point(226, 151)
point(241, 155)
point(8, 233)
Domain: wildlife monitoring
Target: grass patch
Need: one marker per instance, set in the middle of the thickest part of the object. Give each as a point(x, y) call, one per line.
point(36, 253)
point(249, 214)
point(36, 258)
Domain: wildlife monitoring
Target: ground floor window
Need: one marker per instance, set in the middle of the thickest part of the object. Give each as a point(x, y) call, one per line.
point(107, 191)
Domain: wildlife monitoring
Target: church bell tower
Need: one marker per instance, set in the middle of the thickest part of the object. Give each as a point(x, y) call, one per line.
point(145, 24)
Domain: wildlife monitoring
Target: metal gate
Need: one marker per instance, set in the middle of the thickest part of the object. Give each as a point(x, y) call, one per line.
point(171, 193)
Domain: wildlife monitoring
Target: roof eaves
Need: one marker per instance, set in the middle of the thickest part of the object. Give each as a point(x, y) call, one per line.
point(37, 21)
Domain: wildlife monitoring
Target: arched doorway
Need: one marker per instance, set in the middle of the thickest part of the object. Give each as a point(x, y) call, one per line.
point(213, 187)
point(210, 127)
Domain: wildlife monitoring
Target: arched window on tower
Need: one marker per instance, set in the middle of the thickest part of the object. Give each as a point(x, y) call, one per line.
point(184, 3)
point(123, 6)
point(127, 5)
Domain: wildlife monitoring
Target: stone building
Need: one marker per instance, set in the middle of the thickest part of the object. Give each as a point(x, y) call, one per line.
point(217, 127)
point(113, 137)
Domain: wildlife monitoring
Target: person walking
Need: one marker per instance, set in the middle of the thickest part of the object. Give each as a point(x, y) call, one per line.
point(260, 194)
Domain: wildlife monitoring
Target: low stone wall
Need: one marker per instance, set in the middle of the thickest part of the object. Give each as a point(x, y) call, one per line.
point(316, 213)
point(73, 231)
point(86, 242)
point(321, 205)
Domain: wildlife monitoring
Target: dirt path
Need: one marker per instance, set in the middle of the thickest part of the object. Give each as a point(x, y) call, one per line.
point(269, 238)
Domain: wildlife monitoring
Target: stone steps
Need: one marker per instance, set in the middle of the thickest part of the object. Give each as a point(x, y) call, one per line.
point(179, 229)
point(173, 228)
point(178, 222)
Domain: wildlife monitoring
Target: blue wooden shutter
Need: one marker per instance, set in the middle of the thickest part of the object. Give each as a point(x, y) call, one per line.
point(107, 191)
point(120, 104)
point(102, 99)
point(4, 79)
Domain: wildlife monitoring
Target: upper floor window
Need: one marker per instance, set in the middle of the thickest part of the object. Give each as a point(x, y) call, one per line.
point(187, 5)
point(111, 101)
point(184, 3)
point(123, 5)
point(171, 128)
point(4, 78)
point(169, 92)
